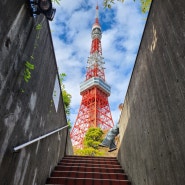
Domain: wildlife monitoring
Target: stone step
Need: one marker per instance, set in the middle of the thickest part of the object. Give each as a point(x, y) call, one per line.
point(63, 163)
point(90, 157)
point(77, 174)
point(73, 160)
point(86, 181)
point(89, 169)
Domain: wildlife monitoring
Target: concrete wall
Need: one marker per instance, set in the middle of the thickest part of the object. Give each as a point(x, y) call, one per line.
point(153, 120)
point(28, 109)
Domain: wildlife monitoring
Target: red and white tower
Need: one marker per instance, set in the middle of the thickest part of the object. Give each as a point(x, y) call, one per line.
point(94, 109)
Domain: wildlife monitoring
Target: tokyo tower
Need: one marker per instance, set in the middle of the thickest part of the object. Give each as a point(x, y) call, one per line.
point(94, 109)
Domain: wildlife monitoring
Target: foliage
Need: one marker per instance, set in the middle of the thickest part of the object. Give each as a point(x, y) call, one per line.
point(107, 3)
point(66, 98)
point(38, 27)
point(88, 152)
point(29, 66)
point(145, 4)
point(27, 72)
point(56, 1)
point(62, 77)
point(92, 139)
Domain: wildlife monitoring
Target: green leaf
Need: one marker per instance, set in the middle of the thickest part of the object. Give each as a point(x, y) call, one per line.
point(38, 27)
point(56, 1)
point(29, 65)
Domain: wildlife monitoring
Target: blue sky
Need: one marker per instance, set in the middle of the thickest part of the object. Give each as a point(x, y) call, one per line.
point(122, 29)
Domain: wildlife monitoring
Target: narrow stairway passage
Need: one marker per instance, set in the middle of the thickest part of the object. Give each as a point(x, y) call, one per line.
point(87, 170)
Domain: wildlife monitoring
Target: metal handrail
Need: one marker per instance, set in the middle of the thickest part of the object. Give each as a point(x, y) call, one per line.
point(15, 149)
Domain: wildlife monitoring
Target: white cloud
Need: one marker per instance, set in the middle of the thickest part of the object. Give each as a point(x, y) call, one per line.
point(122, 27)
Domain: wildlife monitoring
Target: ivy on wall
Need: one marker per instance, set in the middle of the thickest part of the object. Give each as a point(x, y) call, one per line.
point(29, 66)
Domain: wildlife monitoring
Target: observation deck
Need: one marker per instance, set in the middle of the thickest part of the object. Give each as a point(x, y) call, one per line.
point(95, 81)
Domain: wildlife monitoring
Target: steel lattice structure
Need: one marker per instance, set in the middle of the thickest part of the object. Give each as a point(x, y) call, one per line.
point(94, 109)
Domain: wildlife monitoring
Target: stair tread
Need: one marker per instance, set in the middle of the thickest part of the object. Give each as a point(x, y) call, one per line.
point(85, 172)
point(86, 159)
point(90, 159)
point(93, 157)
point(89, 181)
point(76, 174)
point(90, 169)
point(117, 180)
point(81, 166)
point(89, 164)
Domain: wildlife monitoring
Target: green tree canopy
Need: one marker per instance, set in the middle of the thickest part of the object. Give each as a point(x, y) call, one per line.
point(66, 98)
point(92, 139)
point(145, 4)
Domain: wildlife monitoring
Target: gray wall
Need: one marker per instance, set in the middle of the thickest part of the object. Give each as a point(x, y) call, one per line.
point(153, 120)
point(27, 109)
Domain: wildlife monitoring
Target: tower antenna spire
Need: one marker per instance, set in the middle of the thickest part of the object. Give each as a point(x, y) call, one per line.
point(97, 14)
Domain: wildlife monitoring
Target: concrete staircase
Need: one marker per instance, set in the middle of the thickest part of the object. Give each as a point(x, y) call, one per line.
point(86, 170)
